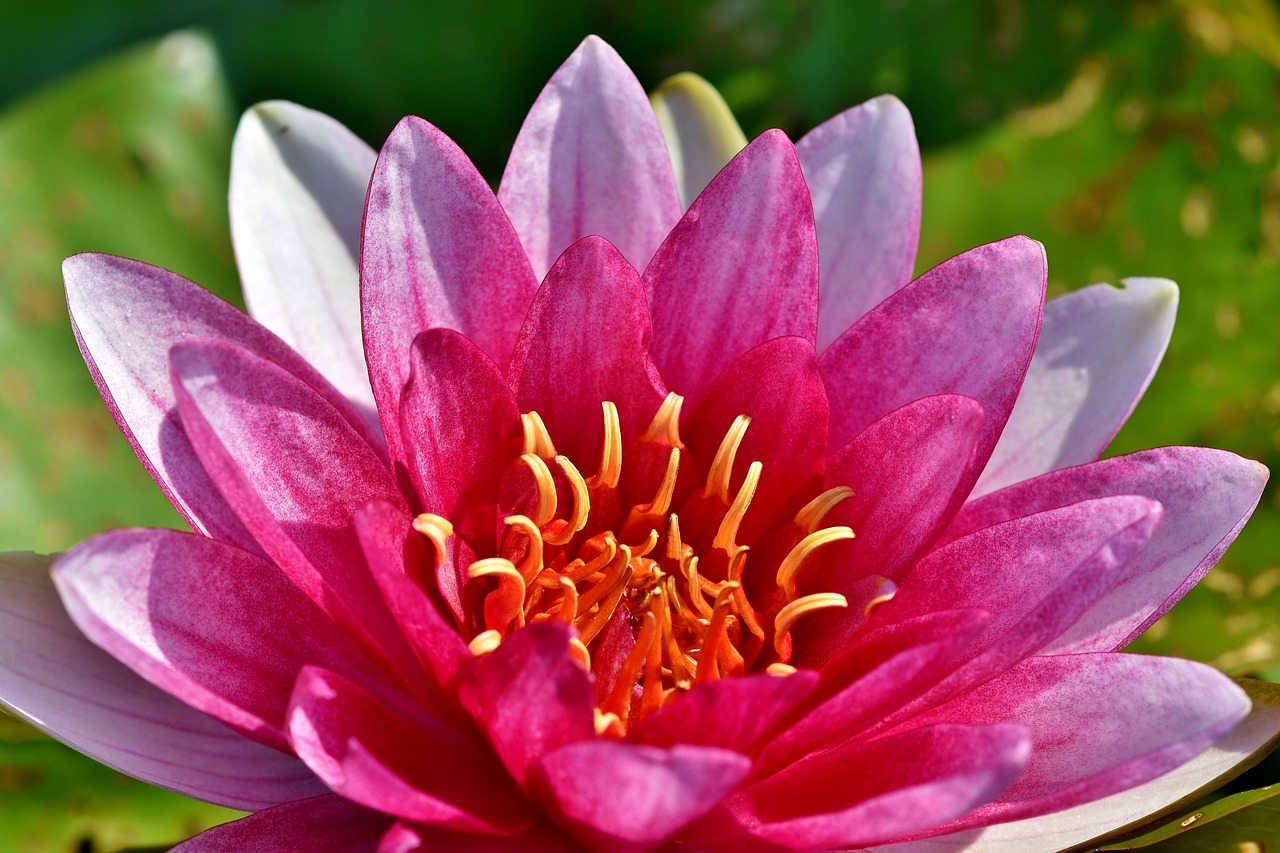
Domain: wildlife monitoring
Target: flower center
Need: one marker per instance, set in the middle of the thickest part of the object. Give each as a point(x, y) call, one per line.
point(581, 555)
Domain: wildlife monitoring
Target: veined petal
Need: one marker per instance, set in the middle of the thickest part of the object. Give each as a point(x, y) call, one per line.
point(332, 824)
point(863, 171)
point(58, 681)
point(590, 159)
point(701, 133)
point(1098, 349)
point(739, 269)
point(298, 182)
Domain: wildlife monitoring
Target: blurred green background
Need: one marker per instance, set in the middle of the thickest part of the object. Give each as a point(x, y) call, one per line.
point(1131, 138)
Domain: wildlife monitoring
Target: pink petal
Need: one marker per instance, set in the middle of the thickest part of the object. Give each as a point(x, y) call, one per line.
point(220, 629)
point(1099, 724)
point(404, 762)
point(1207, 496)
point(298, 181)
point(590, 159)
point(58, 681)
point(871, 791)
point(529, 696)
point(330, 824)
point(624, 796)
point(126, 315)
point(1098, 349)
point(863, 170)
point(461, 428)
point(541, 838)
point(296, 473)
point(739, 269)
point(584, 341)
point(438, 251)
point(966, 327)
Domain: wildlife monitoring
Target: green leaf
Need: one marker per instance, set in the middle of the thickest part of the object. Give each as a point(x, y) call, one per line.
point(1231, 823)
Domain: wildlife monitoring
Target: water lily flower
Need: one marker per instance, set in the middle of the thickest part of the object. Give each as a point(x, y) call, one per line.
point(587, 520)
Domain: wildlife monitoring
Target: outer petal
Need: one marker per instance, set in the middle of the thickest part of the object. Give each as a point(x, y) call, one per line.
point(298, 181)
point(702, 134)
point(415, 767)
point(330, 824)
point(590, 159)
point(222, 630)
point(1207, 496)
point(126, 315)
point(1098, 349)
point(438, 250)
point(863, 170)
point(58, 681)
point(542, 838)
point(584, 341)
point(739, 269)
point(966, 327)
point(625, 796)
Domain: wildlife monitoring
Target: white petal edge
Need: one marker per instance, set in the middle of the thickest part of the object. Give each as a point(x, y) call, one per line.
point(701, 133)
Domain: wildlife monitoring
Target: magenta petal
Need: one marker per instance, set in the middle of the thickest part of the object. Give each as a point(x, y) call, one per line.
point(529, 695)
point(438, 250)
point(221, 629)
point(540, 838)
point(330, 824)
point(584, 341)
point(624, 796)
point(1098, 723)
point(461, 427)
point(1207, 496)
point(126, 315)
point(58, 681)
point(871, 791)
point(590, 159)
point(863, 170)
point(968, 327)
point(406, 763)
point(739, 269)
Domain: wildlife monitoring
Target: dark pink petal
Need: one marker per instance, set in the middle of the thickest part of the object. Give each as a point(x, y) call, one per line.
point(968, 327)
point(330, 824)
point(739, 269)
point(732, 713)
point(221, 629)
point(863, 170)
point(296, 474)
point(590, 159)
point(1098, 349)
point(126, 315)
point(404, 762)
point(625, 796)
point(438, 250)
point(298, 182)
point(584, 341)
point(541, 838)
point(1098, 723)
point(1207, 496)
point(461, 427)
point(778, 386)
point(872, 791)
point(58, 681)
point(530, 696)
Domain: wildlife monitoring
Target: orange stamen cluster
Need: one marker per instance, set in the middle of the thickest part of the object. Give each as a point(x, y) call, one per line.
point(690, 613)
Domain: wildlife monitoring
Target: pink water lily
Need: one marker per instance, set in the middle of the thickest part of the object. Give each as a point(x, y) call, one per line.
point(587, 520)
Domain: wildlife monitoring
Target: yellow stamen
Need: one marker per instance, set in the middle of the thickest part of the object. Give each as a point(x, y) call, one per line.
point(780, 669)
point(722, 465)
point(675, 547)
point(617, 569)
point(536, 438)
point(581, 506)
point(666, 423)
point(484, 642)
point(728, 531)
point(578, 651)
point(806, 546)
point(506, 603)
point(532, 563)
point(695, 588)
point(437, 528)
point(568, 601)
point(608, 724)
point(810, 517)
point(707, 667)
point(618, 702)
point(546, 488)
point(611, 456)
point(608, 550)
point(789, 615)
point(647, 546)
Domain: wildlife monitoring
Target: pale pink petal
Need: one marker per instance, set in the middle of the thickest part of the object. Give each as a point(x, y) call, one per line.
point(1098, 349)
point(298, 182)
point(1207, 496)
point(58, 681)
point(965, 327)
point(405, 762)
point(585, 341)
point(126, 315)
point(438, 251)
point(621, 796)
point(590, 159)
point(863, 170)
point(739, 269)
point(330, 824)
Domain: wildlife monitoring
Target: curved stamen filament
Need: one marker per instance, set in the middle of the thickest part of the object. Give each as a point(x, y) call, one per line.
point(611, 455)
point(806, 546)
point(789, 615)
point(666, 423)
point(506, 603)
point(580, 654)
point(810, 516)
point(728, 531)
point(675, 546)
point(707, 664)
point(484, 642)
point(722, 465)
point(618, 701)
point(531, 566)
point(437, 528)
point(581, 506)
point(546, 509)
point(568, 601)
point(651, 514)
point(608, 550)
point(536, 438)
